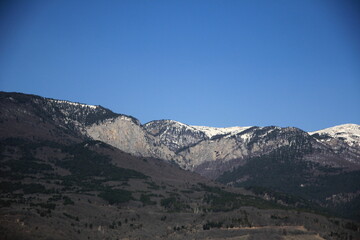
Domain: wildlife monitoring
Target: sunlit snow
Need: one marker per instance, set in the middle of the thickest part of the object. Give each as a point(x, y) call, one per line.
point(73, 103)
point(349, 132)
point(213, 131)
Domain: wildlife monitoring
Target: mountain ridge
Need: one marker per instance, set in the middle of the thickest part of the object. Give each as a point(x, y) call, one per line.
point(204, 129)
point(175, 141)
point(191, 147)
point(74, 171)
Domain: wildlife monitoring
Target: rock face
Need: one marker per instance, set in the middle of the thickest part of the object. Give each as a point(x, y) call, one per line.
point(129, 136)
point(212, 151)
point(175, 135)
point(216, 156)
point(206, 150)
point(122, 133)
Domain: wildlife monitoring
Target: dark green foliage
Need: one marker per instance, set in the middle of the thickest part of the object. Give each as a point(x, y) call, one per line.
point(82, 184)
point(55, 198)
point(15, 142)
point(241, 221)
point(210, 225)
point(222, 201)
point(26, 188)
point(279, 217)
point(68, 201)
point(71, 217)
point(112, 225)
point(285, 176)
point(329, 184)
point(187, 191)
point(172, 204)
point(27, 166)
point(146, 200)
point(288, 199)
point(49, 206)
point(27, 163)
point(152, 185)
point(89, 171)
point(282, 170)
point(86, 163)
point(352, 226)
point(33, 188)
point(44, 213)
point(349, 210)
point(8, 187)
point(82, 162)
point(26, 146)
point(5, 203)
point(115, 196)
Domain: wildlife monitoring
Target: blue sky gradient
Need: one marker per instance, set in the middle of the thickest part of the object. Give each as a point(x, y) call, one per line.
point(214, 63)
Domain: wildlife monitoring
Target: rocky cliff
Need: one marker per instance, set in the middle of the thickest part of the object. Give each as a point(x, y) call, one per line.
point(206, 150)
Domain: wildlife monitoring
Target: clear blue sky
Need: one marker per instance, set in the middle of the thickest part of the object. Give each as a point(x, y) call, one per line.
point(217, 63)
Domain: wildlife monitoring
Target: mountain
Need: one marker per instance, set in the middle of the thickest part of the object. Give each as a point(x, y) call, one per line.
point(212, 151)
point(312, 166)
point(349, 133)
point(208, 151)
point(178, 136)
point(77, 171)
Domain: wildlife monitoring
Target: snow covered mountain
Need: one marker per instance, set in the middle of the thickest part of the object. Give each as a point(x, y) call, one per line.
point(173, 134)
point(350, 133)
point(177, 135)
point(212, 151)
point(207, 150)
point(312, 165)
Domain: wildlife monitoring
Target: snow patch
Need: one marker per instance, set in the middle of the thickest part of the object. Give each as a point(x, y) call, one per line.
point(349, 132)
point(73, 103)
point(208, 131)
point(213, 131)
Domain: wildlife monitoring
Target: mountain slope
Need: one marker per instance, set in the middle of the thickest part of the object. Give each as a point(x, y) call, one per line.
point(190, 146)
point(173, 134)
point(211, 151)
point(92, 190)
point(58, 183)
point(235, 156)
point(350, 133)
point(35, 111)
point(208, 151)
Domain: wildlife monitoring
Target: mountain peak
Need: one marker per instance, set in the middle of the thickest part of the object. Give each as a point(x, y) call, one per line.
point(350, 133)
